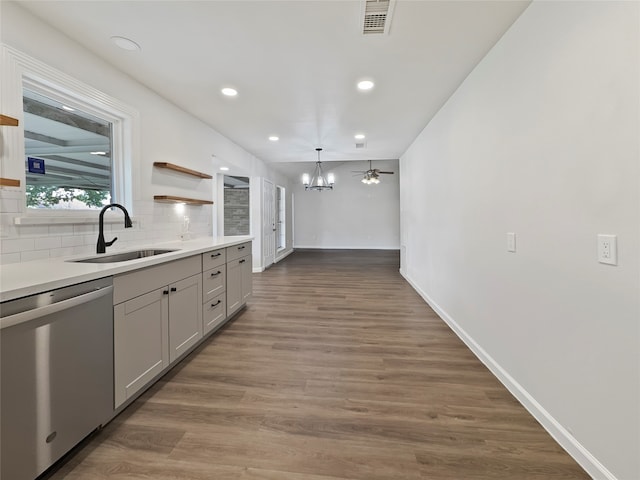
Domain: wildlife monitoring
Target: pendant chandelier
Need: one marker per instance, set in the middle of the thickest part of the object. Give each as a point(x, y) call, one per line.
point(318, 181)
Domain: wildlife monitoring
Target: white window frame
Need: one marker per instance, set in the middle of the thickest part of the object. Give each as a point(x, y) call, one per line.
point(41, 78)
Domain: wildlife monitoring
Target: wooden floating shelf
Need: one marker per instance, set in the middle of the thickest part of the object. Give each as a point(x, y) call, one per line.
point(178, 168)
point(173, 199)
point(9, 182)
point(9, 121)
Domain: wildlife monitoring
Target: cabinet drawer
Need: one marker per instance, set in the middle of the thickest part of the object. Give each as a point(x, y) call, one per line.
point(214, 312)
point(214, 282)
point(213, 259)
point(238, 251)
point(138, 282)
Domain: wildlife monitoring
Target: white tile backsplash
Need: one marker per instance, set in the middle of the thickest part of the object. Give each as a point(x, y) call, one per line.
point(6, 258)
point(72, 241)
point(60, 229)
point(85, 228)
point(44, 243)
point(32, 230)
point(152, 223)
point(9, 205)
point(17, 245)
point(34, 255)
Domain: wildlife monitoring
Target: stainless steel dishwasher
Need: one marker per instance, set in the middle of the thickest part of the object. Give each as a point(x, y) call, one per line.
point(56, 366)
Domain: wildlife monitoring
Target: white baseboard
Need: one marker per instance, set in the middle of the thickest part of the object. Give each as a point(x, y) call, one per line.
point(343, 247)
point(283, 255)
point(566, 440)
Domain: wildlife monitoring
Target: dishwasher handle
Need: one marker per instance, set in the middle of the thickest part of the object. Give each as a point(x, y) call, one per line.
point(36, 313)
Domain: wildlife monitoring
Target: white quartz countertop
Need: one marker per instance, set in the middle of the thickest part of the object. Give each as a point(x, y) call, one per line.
point(28, 278)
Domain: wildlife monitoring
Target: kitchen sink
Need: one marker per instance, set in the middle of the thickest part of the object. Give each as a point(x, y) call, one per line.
point(124, 256)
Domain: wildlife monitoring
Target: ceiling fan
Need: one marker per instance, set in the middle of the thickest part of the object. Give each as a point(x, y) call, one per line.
point(372, 175)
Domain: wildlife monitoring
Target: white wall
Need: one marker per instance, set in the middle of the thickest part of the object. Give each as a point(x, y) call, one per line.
point(353, 215)
point(166, 133)
point(542, 140)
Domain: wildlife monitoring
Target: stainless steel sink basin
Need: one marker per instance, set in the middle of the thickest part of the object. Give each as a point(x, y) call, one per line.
point(124, 256)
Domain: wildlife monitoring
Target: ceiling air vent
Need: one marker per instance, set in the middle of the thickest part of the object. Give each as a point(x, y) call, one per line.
point(376, 17)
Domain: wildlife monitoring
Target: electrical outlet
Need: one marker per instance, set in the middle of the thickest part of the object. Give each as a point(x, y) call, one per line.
point(511, 242)
point(607, 249)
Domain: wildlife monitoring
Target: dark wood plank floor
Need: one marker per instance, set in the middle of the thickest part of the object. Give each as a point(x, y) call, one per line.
point(337, 369)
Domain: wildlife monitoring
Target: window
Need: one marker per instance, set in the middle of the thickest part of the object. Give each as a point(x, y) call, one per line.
point(68, 154)
point(60, 141)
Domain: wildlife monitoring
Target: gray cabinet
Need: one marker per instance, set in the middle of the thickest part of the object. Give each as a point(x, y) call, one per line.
point(239, 281)
point(162, 312)
point(141, 342)
point(155, 327)
point(214, 312)
point(214, 286)
point(185, 316)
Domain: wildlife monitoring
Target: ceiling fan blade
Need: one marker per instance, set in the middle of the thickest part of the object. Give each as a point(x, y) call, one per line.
point(388, 173)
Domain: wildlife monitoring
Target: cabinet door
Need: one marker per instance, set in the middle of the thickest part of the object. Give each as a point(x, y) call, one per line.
point(246, 266)
point(141, 341)
point(185, 315)
point(214, 312)
point(234, 286)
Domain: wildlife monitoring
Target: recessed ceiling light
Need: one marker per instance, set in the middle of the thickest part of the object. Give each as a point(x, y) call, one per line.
point(68, 109)
point(359, 136)
point(98, 153)
point(229, 92)
point(224, 169)
point(274, 138)
point(365, 85)
point(126, 44)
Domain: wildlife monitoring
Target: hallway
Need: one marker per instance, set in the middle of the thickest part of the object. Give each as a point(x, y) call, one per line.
point(337, 369)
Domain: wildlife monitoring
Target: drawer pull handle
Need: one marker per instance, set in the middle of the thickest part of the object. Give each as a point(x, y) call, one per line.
point(242, 261)
point(165, 292)
point(216, 274)
point(51, 437)
point(216, 304)
point(174, 289)
point(216, 255)
point(241, 248)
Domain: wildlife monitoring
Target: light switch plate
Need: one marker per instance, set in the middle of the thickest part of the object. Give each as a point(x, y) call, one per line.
point(511, 242)
point(608, 249)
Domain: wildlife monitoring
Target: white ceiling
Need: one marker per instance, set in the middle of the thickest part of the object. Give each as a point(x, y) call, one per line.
point(295, 65)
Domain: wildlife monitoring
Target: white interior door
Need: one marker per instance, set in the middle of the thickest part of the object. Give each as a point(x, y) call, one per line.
point(268, 223)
